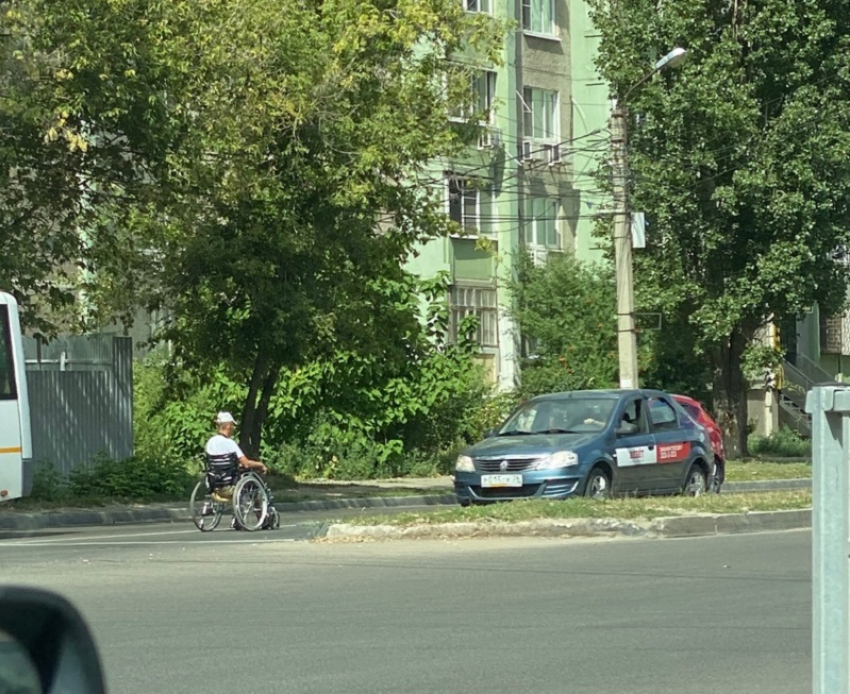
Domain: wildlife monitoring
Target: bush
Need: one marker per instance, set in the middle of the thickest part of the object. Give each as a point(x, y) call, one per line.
point(350, 414)
point(567, 310)
point(134, 478)
point(48, 484)
point(173, 413)
point(784, 443)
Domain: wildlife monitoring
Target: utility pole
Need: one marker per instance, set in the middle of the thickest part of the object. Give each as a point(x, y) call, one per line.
point(626, 334)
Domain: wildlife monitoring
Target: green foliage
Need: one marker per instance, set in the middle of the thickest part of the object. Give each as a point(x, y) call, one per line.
point(173, 412)
point(567, 311)
point(48, 483)
point(758, 358)
point(675, 364)
point(158, 154)
point(268, 257)
point(783, 443)
point(350, 415)
point(740, 161)
point(104, 478)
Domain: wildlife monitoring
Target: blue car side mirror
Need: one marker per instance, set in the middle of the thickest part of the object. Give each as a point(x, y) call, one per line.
point(45, 645)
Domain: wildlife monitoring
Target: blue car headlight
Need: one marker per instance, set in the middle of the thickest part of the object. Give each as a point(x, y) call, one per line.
point(464, 464)
point(557, 460)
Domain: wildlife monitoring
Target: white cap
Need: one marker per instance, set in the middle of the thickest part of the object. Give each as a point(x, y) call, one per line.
point(224, 418)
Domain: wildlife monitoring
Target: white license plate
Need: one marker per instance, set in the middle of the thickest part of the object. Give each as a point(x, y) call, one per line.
point(495, 481)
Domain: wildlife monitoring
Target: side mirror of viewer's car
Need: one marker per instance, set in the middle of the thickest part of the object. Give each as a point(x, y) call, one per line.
point(45, 645)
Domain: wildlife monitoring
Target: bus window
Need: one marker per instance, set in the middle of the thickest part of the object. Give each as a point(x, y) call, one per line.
point(15, 433)
point(8, 391)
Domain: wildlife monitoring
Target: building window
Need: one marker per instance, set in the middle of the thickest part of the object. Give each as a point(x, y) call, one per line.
point(477, 5)
point(541, 223)
point(464, 203)
point(529, 347)
point(479, 302)
point(540, 114)
point(538, 16)
point(483, 92)
point(484, 89)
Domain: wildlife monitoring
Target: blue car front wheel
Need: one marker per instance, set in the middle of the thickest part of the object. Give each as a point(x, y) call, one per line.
point(598, 484)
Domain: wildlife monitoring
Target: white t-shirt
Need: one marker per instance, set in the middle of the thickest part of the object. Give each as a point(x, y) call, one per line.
point(221, 445)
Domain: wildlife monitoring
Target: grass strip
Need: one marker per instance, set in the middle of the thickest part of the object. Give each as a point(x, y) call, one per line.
point(648, 508)
point(760, 471)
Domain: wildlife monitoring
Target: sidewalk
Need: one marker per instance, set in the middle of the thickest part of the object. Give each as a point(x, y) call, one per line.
point(331, 494)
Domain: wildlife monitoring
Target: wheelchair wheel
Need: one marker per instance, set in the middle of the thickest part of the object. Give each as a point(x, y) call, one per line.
point(250, 502)
point(206, 513)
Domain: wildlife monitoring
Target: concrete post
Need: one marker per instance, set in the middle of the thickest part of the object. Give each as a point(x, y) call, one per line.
point(626, 333)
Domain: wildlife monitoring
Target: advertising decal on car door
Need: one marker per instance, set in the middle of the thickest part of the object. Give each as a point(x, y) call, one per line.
point(673, 452)
point(637, 455)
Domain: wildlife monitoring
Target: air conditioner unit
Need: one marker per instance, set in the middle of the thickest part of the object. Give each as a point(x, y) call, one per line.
point(527, 153)
point(553, 154)
point(490, 138)
point(539, 256)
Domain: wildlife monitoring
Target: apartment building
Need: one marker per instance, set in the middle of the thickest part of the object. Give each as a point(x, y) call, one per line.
point(529, 183)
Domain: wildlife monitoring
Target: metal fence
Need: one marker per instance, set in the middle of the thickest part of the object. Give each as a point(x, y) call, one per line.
point(81, 399)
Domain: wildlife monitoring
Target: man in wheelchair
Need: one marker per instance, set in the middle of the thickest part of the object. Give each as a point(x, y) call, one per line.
point(222, 444)
point(225, 459)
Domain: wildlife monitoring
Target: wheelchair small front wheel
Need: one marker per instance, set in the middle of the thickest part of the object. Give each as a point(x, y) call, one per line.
point(250, 502)
point(273, 519)
point(206, 513)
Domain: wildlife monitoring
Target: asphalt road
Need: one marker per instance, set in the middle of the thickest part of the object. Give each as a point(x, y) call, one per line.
point(298, 525)
point(178, 612)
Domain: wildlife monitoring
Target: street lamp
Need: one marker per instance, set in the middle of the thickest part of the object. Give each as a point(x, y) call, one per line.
point(626, 334)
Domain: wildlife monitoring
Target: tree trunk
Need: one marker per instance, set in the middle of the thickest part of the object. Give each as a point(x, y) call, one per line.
point(250, 428)
point(730, 394)
point(263, 382)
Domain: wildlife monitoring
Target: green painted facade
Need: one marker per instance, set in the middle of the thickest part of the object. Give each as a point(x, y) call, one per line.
point(535, 185)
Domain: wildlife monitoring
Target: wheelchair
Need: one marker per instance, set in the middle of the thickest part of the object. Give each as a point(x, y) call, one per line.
point(225, 484)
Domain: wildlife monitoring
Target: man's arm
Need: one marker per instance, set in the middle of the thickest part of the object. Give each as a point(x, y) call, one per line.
point(246, 462)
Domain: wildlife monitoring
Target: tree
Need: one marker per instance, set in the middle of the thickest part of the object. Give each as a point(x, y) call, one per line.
point(347, 414)
point(85, 124)
point(566, 311)
point(740, 160)
point(278, 230)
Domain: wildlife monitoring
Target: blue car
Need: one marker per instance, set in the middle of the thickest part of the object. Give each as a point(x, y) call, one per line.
point(591, 443)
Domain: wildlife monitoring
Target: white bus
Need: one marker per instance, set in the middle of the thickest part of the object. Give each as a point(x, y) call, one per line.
point(15, 437)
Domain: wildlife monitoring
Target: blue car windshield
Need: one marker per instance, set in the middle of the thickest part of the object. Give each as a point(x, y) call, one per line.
point(566, 416)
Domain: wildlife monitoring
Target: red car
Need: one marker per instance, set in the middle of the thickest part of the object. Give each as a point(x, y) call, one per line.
point(698, 412)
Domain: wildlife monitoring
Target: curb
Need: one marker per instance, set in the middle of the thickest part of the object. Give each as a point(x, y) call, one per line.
point(370, 502)
point(673, 527)
point(766, 486)
point(70, 519)
point(40, 520)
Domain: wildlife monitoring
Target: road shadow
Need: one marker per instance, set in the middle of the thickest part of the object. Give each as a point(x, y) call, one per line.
point(320, 490)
